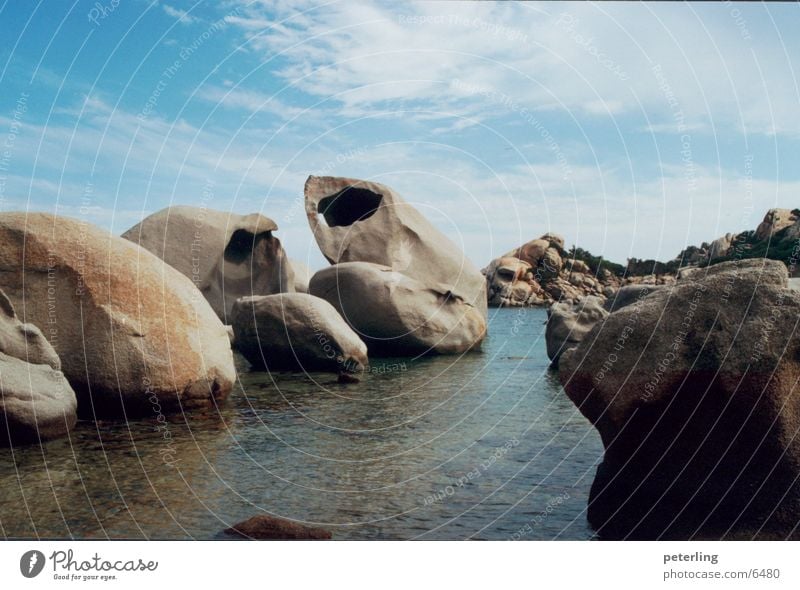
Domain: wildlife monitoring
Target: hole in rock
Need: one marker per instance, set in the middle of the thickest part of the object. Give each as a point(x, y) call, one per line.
point(241, 245)
point(348, 206)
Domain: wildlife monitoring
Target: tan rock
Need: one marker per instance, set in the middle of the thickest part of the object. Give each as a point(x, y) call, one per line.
point(359, 221)
point(226, 255)
point(37, 403)
point(397, 315)
point(129, 329)
point(296, 331)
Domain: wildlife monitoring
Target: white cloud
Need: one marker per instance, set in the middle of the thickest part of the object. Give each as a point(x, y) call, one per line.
point(183, 17)
point(591, 59)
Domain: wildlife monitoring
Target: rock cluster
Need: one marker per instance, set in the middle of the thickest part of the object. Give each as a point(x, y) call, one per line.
point(540, 273)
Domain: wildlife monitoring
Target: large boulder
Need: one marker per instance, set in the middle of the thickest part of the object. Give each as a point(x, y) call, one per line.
point(295, 331)
point(568, 324)
point(359, 221)
point(774, 221)
point(226, 255)
point(132, 336)
point(694, 393)
point(398, 315)
point(37, 402)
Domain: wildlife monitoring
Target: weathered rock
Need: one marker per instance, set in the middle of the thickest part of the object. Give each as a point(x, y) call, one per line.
point(36, 402)
point(397, 315)
point(694, 394)
point(530, 252)
point(568, 324)
point(295, 331)
point(226, 255)
point(302, 275)
point(502, 275)
point(629, 294)
point(360, 221)
point(721, 246)
point(265, 528)
point(24, 341)
point(774, 221)
point(129, 329)
point(578, 266)
point(540, 272)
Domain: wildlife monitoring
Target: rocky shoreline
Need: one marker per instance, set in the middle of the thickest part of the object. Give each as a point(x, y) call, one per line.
point(685, 369)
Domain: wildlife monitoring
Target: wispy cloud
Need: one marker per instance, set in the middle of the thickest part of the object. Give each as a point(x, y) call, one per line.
point(182, 16)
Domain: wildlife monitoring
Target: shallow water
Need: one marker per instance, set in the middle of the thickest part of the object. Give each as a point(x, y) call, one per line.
point(482, 446)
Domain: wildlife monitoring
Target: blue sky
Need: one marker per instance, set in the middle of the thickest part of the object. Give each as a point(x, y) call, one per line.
point(630, 129)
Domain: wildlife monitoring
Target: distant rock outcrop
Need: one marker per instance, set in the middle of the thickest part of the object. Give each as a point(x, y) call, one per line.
point(541, 272)
point(694, 393)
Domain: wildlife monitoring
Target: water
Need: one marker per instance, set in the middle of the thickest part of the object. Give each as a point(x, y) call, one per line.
point(482, 446)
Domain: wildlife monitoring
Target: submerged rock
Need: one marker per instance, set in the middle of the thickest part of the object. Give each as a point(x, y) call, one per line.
point(694, 393)
point(265, 528)
point(397, 315)
point(132, 336)
point(226, 255)
point(295, 331)
point(37, 402)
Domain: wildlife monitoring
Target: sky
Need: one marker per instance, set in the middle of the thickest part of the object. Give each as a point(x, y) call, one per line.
point(632, 130)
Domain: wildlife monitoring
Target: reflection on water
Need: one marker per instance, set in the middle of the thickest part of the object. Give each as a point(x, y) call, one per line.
point(482, 446)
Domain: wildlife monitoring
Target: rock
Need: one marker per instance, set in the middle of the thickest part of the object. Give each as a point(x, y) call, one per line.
point(721, 246)
point(531, 252)
point(555, 240)
point(226, 255)
point(578, 266)
point(302, 275)
point(264, 527)
point(629, 294)
point(568, 324)
point(295, 331)
point(397, 315)
point(129, 329)
point(36, 402)
point(24, 341)
point(502, 275)
point(609, 291)
point(359, 221)
point(694, 394)
point(774, 221)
